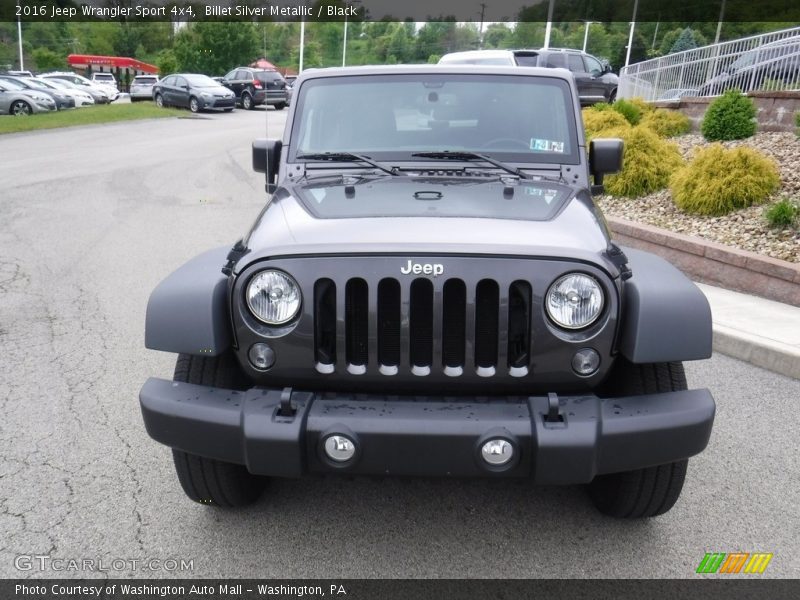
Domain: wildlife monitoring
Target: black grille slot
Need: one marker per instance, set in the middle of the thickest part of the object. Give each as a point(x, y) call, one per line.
point(389, 322)
point(421, 323)
point(487, 304)
point(356, 306)
point(454, 316)
point(519, 324)
point(325, 321)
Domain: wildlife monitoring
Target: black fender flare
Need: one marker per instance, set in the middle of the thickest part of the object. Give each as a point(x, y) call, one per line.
point(665, 315)
point(188, 311)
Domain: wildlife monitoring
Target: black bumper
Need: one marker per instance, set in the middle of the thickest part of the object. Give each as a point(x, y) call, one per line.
point(428, 436)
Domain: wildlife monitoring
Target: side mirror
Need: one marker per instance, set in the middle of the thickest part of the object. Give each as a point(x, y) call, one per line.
point(266, 159)
point(605, 156)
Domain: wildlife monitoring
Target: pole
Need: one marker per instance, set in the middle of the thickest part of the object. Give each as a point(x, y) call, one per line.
point(719, 23)
point(549, 26)
point(302, 41)
point(480, 31)
point(344, 45)
point(586, 35)
point(630, 36)
point(19, 35)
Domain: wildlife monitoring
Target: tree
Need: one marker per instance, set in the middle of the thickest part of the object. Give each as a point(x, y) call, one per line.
point(684, 42)
point(47, 60)
point(214, 48)
point(496, 35)
point(166, 62)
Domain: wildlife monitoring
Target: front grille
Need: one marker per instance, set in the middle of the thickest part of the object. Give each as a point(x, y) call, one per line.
point(422, 326)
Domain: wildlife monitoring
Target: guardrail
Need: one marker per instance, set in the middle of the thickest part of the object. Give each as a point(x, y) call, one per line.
point(768, 62)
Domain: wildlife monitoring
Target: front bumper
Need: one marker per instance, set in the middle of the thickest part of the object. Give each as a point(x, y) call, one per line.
point(431, 436)
point(218, 102)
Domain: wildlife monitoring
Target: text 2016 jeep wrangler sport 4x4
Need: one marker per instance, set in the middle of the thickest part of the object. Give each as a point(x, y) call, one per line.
point(430, 290)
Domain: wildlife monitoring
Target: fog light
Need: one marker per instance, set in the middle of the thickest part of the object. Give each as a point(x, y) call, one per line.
point(339, 448)
point(586, 361)
point(261, 356)
point(497, 452)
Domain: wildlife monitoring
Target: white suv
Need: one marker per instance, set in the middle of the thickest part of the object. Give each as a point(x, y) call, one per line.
point(105, 79)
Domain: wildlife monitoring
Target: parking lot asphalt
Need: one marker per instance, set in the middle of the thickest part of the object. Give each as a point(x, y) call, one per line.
point(93, 218)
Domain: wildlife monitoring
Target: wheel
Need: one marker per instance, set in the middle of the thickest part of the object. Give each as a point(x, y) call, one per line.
point(512, 141)
point(159, 101)
point(280, 106)
point(206, 480)
point(194, 105)
point(654, 490)
point(20, 108)
point(247, 101)
point(612, 97)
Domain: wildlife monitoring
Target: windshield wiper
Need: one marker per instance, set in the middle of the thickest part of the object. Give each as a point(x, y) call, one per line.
point(451, 155)
point(347, 157)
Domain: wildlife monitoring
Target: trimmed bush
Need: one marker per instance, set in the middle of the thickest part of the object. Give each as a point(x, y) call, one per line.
point(783, 213)
point(628, 110)
point(595, 121)
point(667, 123)
point(729, 117)
point(648, 164)
point(717, 181)
point(643, 105)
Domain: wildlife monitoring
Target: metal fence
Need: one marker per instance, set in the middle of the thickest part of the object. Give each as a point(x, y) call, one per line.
point(763, 62)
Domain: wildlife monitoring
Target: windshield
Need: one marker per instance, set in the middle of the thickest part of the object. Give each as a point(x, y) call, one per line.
point(201, 81)
point(390, 117)
point(11, 85)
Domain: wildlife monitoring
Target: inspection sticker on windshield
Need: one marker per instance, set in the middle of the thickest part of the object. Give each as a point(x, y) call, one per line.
point(547, 145)
point(548, 194)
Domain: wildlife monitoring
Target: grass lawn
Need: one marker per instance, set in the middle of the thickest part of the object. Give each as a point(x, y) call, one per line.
point(104, 113)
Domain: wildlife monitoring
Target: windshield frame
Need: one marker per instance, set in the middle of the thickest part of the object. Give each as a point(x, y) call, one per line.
point(523, 159)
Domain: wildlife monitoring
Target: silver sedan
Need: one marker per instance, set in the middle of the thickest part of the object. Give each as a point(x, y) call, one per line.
point(16, 100)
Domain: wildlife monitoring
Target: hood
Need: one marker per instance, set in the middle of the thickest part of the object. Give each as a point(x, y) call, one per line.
point(434, 215)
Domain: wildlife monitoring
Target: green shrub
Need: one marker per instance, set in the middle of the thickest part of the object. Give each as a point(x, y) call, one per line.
point(783, 213)
point(643, 105)
point(629, 110)
point(797, 121)
point(729, 117)
point(648, 163)
point(667, 123)
point(717, 181)
point(597, 121)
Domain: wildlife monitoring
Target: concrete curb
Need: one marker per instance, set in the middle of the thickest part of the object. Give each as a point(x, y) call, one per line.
point(762, 332)
point(715, 263)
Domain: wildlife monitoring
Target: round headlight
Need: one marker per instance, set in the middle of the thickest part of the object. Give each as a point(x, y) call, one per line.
point(273, 297)
point(574, 301)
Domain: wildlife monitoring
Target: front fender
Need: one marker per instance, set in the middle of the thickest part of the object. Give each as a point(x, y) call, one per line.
point(188, 311)
point(666, 316)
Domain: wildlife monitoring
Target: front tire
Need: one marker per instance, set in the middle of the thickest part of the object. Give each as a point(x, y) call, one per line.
point(20, 108)
point(247, 101)
point(159, 101)
point(645, 492)
point(206, 480)
point(280, 106)
point(194, 105)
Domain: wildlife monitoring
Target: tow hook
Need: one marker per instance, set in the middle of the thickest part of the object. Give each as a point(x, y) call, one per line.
point(286, 409)
point(553, 416)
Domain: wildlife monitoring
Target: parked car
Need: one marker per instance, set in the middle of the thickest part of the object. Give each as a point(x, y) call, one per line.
point(776, 61)
point(595, 81)
point(16, 100)
point(61, 99)
point(432, 291)
point(81, 96)
point(105, 79)
point(193, 91)
point(102, 93)
point(20, 73)
point(254, 87)
point(142, 87)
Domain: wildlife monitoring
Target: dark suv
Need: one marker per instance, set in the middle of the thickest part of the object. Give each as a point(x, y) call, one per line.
point(595, 81)
point(400, 307)
point(254, 87)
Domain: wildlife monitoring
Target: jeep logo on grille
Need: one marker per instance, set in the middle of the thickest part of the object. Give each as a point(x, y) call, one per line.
point(424, 269)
